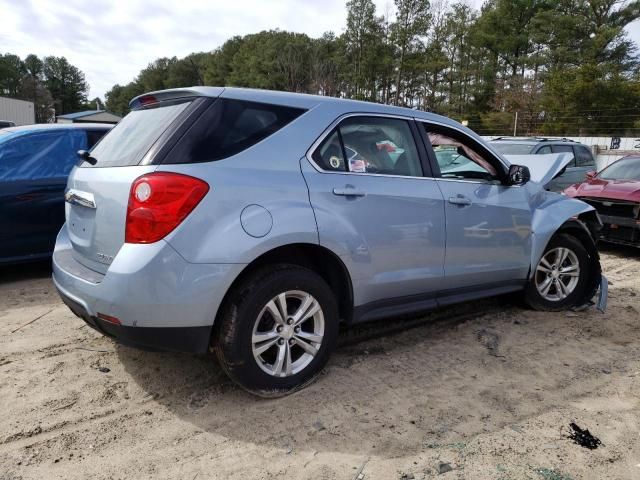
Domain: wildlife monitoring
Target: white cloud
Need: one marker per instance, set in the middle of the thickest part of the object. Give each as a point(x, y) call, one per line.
point(112, 40)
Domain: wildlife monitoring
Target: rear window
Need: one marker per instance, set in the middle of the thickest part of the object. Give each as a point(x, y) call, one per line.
point(584, 158)
point(228, 127)
point(128, 142)
point(512, 148)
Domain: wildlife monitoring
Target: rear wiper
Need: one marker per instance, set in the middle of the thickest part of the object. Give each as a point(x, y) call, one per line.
point(86, 156)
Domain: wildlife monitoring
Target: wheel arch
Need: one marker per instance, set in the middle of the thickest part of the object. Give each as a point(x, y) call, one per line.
point(312, 256)
point(561, 213)
point(583, 225)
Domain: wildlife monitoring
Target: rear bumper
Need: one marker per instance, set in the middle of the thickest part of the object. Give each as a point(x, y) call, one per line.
point(176, 339)
point(161, 300)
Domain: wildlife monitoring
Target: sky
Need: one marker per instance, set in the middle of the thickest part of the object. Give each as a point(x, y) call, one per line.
point(112, 40)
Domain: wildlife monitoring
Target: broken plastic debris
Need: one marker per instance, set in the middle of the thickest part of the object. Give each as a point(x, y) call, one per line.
point(584, 438)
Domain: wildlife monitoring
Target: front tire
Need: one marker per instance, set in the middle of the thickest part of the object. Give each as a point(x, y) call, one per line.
point(277, 330)
point(561, 277)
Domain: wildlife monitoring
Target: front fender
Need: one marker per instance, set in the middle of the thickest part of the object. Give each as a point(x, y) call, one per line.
point(561, 214)
point(548, 217)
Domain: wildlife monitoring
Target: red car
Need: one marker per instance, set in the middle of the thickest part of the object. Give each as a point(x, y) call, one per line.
point(615, 194)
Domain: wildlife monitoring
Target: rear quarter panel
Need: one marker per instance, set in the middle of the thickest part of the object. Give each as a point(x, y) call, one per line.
point(266, 175)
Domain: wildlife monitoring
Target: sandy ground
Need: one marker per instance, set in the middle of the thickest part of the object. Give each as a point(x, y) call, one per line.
point(488, 388)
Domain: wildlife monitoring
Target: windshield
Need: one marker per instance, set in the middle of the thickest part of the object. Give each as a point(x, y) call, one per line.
point(512, 148)
point(128, 142)
point(624, 169)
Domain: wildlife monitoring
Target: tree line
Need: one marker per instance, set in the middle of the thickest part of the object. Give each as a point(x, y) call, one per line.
point(54, 85)
point(566, 67)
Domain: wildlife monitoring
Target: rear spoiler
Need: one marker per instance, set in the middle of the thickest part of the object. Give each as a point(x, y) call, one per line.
point(173, 94)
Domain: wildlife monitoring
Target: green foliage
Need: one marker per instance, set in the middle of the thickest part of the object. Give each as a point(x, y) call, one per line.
point(117, 99)
point(52, 84)
point(550, 474)
point(11, 72)
point(66, 83)
point(566, 66)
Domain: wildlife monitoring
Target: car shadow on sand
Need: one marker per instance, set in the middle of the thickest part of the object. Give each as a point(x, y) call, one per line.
point(440, 381)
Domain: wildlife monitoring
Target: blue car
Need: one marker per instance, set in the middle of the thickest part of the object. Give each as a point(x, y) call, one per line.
point(253, 223)
point(35, 162)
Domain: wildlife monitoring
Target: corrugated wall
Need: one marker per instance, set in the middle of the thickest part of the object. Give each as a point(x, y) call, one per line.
point(18, 111)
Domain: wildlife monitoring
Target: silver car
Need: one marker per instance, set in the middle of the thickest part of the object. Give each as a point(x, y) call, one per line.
point(253, 223)
point(575, 171)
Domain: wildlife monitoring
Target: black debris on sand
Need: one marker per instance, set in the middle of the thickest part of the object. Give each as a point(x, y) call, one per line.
point(584, 438)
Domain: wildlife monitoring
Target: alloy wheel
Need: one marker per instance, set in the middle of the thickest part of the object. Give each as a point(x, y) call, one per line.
point(288, 333)
point(557, 274)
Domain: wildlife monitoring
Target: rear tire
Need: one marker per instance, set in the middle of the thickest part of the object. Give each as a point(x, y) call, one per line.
point(277, 330)
point(561, 277)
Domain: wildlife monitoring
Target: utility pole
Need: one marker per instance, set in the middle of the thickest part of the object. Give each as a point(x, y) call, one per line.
point(515, 125)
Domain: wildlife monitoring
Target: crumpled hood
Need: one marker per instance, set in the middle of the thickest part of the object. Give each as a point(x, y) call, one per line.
point(543, 168)
point(628, 190)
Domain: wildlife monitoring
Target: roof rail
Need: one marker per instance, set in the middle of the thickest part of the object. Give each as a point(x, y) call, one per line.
point(556, 139)
point(538, 139)
point(515, 138)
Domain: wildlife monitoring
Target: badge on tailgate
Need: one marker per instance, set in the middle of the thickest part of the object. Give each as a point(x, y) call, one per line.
point(78, 197)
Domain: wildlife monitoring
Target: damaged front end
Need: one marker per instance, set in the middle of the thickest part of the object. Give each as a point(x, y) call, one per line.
point(554, 213)
point(586, 227)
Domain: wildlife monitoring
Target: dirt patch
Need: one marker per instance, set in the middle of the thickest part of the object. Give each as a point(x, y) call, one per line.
point(481, 391)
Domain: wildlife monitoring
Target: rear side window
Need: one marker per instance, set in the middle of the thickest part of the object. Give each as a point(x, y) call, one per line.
point(565, 149)
point(374, 145)
point(41, 155)
point(329, 154)
point(584, 157)
point(229, 127)
point(131, 139)
point(512, 148)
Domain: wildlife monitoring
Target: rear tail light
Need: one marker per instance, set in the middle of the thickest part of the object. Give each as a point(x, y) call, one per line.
point(158, 202)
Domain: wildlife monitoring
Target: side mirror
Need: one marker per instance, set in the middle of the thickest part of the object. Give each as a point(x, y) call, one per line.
point(519, 175)
point(591, 174)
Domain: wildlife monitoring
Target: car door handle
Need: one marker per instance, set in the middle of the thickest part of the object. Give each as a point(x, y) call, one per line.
point(348, 192)
point(460, 200)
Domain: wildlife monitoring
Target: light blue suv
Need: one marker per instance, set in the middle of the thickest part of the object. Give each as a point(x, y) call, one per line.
point(253, 223)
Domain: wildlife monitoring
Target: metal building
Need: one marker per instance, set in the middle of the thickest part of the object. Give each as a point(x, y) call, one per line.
point(89, 116)
point(20, 112)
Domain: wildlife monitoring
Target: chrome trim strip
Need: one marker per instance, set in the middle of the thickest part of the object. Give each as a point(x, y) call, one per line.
point(77, 197)
point(497, 183)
